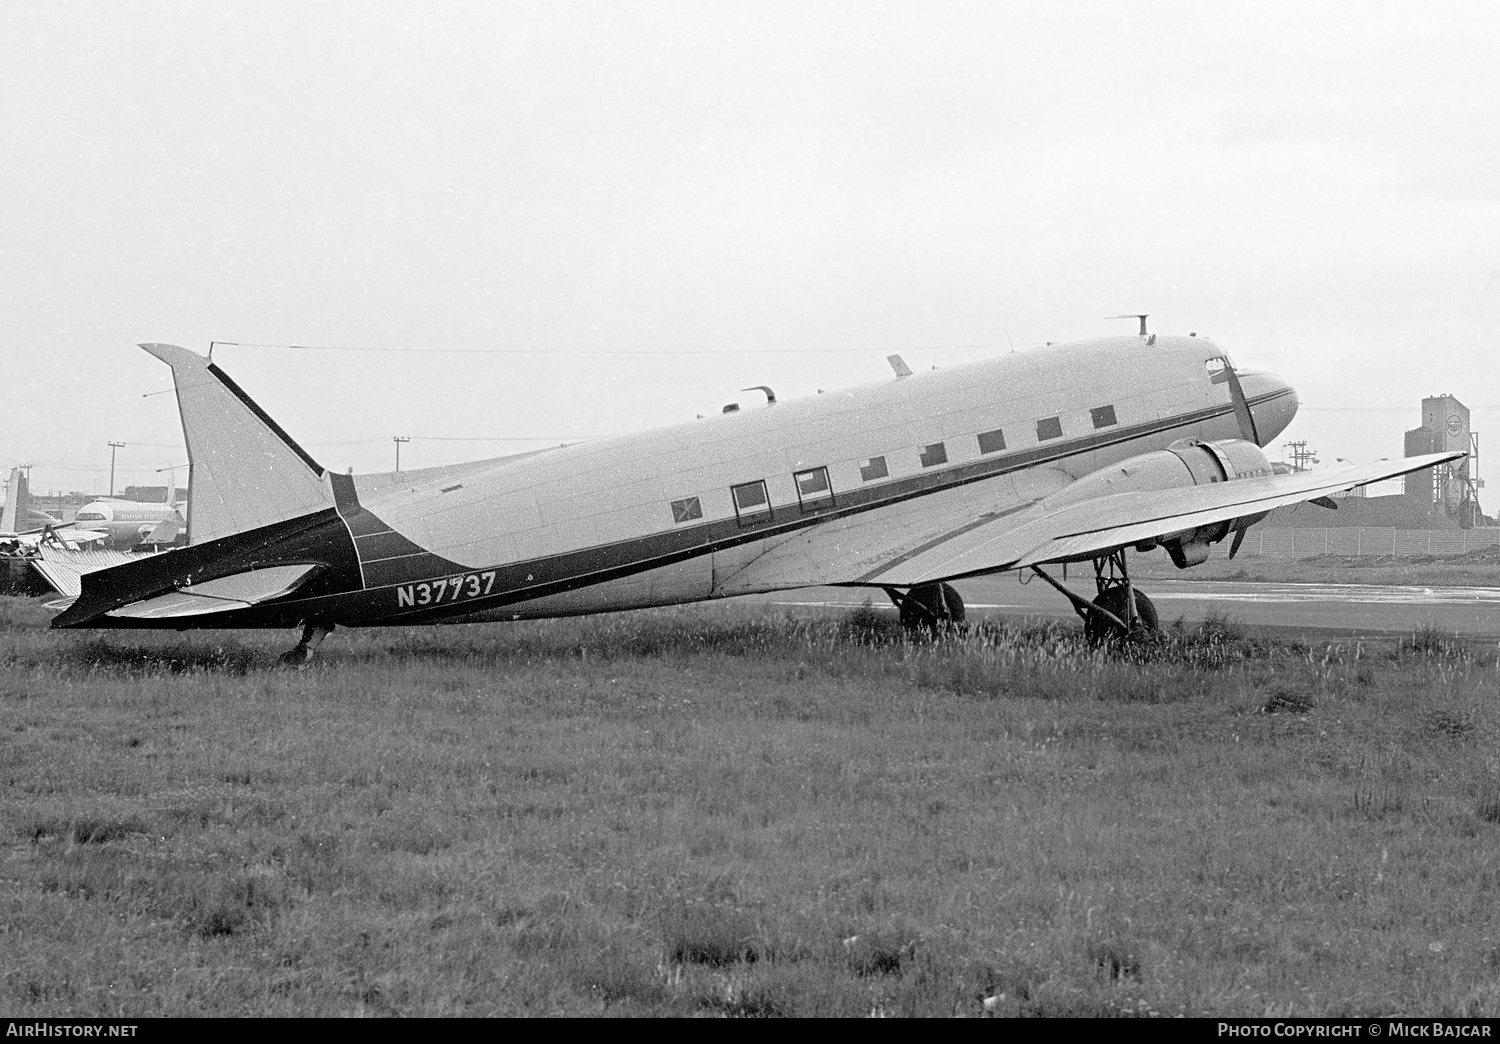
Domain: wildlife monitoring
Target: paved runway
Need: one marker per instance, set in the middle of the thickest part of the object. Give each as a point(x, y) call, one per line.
point(1352, 610)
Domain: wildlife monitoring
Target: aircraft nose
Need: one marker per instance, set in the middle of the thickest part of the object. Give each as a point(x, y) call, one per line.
point(1273, 402)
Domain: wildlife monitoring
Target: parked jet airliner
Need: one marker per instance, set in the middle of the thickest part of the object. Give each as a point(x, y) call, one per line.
point(130, 523)
point(1073, 453)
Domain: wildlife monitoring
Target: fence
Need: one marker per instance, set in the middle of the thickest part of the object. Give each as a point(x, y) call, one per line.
point(1304, 543)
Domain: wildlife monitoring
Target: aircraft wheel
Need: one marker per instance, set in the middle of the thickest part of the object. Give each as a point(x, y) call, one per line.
point(932, 609)
point(297, 656)
point(302, 652)
point(1100, 629)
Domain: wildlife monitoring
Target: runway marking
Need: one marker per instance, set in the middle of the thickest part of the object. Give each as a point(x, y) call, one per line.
point(1339, 593)
point(1201, 591)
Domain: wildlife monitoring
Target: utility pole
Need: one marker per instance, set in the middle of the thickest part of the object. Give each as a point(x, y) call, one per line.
point(398, 440)
point(113, 447)
point(1301, 455)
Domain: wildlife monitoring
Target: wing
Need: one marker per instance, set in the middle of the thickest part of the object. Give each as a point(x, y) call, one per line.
point(966, 538)
point(59, 533)
point(1094, 527)
point(847, 549)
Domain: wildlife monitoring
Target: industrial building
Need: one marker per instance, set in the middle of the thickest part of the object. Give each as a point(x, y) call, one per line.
point(1450, 491)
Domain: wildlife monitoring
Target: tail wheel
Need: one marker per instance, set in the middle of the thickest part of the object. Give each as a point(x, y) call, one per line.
point(1100, 628)
point(932, 609)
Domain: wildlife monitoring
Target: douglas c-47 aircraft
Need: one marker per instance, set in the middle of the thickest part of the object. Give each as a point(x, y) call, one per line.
point(1074, 453)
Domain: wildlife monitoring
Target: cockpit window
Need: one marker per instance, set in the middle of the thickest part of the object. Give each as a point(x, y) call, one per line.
point(1214, 366)
point(88, 516)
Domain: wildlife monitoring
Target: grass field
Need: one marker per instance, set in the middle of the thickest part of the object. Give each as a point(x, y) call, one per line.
point(723, 811)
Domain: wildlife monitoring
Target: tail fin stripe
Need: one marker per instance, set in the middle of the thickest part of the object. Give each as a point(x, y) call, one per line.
point(265, 419)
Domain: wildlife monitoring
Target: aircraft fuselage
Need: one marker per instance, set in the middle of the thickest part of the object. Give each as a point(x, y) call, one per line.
point(124, 522)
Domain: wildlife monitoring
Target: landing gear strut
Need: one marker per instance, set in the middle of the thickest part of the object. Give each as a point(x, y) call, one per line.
point(1118, 609)
point(312, 637)
point(929, 610)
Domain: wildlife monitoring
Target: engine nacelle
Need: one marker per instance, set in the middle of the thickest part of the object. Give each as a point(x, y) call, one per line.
point(1188, 462)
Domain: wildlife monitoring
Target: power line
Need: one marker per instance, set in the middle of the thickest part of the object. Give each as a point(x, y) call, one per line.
point(503, 438)
point(138, 466)
point(606, 351)
point(454, 438)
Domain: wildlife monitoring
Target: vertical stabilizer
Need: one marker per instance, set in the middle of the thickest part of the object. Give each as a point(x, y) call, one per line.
point(244, 472)
point(16, 497)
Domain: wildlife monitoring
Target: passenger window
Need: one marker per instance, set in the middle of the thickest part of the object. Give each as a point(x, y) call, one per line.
point(991, 441)
point(1050, 428)
point(934, 455)
point(813, 489)
point(1103, 416)
point(873, 469)
point(751, 504)
point(686, 510)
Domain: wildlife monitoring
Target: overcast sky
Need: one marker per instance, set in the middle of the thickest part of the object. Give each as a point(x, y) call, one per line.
point(1315, 186)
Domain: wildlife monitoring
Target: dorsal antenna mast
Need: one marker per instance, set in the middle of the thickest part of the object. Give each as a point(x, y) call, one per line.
point(1133, 315)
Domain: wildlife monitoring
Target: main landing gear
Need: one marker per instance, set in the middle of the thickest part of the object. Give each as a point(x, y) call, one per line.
point(312, 637)
point(1119, 609)
point(929, 610)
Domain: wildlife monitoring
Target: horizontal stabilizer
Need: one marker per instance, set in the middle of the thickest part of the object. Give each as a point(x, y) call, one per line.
point(239, 591)
point(166, 532)
point(64, 568)
point(244, 470)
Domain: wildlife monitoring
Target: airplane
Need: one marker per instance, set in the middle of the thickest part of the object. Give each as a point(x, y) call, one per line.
point(23, 527)
point(18, 516)
point(1076, 453)
point(132, 523)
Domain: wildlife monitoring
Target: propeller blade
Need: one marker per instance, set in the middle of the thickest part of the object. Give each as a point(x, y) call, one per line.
point(1241, 406)
point(1239, 538)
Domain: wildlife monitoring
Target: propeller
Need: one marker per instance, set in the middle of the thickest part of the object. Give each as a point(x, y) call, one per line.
point(1249, 433)
point(1239, 538)
point(1242, 412)
point(1241, 527)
